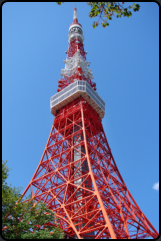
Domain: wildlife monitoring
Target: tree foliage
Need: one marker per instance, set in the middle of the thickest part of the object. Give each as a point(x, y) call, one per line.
point(9, 195)
point(25, 220)
point(106, 10)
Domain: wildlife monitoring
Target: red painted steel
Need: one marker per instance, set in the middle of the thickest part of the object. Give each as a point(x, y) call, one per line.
point(101, 204)
point(78, 74)
point(77, 176)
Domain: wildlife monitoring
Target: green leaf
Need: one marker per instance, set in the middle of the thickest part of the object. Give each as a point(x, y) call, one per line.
point(105, 24)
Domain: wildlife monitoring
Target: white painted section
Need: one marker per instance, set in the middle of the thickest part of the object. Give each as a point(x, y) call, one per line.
point(72, 92)
point(72, 63)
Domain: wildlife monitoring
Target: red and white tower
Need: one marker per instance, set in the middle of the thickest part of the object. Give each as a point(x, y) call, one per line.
point(77, 176)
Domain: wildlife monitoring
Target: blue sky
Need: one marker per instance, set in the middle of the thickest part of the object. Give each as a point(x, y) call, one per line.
point(125, 63)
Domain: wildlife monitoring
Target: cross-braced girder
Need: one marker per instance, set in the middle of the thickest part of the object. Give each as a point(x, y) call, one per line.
point(79, 181)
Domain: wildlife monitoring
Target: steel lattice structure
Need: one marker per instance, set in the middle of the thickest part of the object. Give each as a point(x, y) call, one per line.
point(77, 176)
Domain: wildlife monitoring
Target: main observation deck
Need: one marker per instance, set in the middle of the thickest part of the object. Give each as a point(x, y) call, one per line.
point(73, 91)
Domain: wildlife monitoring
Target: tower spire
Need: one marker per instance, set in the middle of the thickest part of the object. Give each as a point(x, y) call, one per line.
point(76, 66)
point(75, 20)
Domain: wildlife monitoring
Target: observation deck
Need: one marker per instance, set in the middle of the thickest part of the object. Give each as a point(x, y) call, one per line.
point(73, 91)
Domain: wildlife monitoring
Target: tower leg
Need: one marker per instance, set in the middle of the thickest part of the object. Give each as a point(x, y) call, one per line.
point(79, 181)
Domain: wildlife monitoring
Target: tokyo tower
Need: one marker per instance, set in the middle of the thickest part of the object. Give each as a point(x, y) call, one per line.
point(77, 177)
